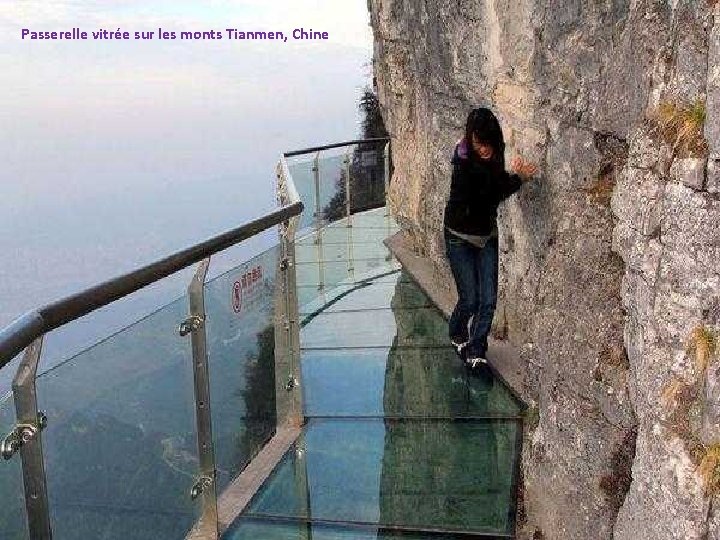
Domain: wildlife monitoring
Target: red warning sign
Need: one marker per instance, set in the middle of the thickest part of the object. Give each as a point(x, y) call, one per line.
point(248, 286)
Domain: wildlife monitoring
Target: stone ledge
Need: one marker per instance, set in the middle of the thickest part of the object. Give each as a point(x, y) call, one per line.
point(503, 358)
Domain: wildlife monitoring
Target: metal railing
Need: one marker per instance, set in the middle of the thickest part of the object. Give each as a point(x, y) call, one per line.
point(27, 332)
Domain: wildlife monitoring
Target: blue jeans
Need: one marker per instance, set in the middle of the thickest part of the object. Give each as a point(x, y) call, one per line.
point(476, 277)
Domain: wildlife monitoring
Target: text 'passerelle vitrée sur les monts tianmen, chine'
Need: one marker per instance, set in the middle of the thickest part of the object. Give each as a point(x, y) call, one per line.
point(119, 34)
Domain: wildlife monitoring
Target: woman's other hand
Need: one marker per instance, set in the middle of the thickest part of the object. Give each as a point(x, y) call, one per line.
point(524, 169)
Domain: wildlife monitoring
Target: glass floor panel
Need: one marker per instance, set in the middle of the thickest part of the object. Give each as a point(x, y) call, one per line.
point(315, 298)
point(347, 255)
point(370, 296)
point(374, 218)
point(335, 235)
point(337, 275)
point(331, 273)
point(399, 440)
point(381, 274)
point(379, 328)
point(309, 251)
point(392, 382)
point(265, 529)
point(419, 474)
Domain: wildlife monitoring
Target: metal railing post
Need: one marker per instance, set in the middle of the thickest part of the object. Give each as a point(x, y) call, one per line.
point(302, 486)
point(196, 326)
point(287, 325)
point(348, 216)
point(316, 177)
point(297, 417)
point(348, 212)
point(386, 163)
point(26, 437)
point(318, 224)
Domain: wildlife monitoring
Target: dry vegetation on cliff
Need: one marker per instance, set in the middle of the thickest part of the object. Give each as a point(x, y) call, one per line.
point(681, 126)
point(709, 470)
point(702, 343)
point(680, 399)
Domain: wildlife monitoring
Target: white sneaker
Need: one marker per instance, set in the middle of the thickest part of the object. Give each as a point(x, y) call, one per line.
point(475, 361)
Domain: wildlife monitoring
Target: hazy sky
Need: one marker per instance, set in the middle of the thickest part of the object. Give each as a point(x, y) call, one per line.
point(115, 153)
point(110, 102)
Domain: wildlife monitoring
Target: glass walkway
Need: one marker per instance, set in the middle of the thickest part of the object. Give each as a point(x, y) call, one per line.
point(320, 352)
point(399, 441)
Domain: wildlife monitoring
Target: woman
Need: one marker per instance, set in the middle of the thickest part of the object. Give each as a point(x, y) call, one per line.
point(479, 184)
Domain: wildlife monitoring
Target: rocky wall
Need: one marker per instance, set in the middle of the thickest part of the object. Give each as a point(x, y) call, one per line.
point(609, 260)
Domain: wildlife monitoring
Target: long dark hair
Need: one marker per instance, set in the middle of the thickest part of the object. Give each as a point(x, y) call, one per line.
point(485, 126)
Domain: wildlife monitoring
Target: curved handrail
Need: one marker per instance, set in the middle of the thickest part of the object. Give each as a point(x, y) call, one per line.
point(24, 330)
point(334, 145)
point(25, 333)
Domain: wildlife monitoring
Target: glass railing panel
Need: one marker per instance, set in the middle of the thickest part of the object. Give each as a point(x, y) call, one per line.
point(461, 477)
point(324, 196)
point(367, 176)
point(7, 373)
point(303, 176)
point(121, 443)
point(13, 519)
point(332, 186)
point(241, 345)
point(400, 382)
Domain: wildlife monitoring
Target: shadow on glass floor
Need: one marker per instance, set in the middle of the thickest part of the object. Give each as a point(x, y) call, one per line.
point(400, 441)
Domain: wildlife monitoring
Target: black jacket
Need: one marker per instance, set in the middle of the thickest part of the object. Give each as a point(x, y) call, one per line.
point(476, 190)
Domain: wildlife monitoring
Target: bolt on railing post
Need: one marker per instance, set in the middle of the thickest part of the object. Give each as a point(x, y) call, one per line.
point(30, 423)
point(205, 486)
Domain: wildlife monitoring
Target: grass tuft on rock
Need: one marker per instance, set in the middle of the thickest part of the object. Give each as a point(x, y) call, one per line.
point(681, 126)
point(703, 344)
point(709, 469)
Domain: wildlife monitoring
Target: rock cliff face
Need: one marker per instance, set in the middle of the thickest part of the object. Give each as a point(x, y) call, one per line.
point(610, 260)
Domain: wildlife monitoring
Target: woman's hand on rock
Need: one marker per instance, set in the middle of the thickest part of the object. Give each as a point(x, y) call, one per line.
point(524, 169)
